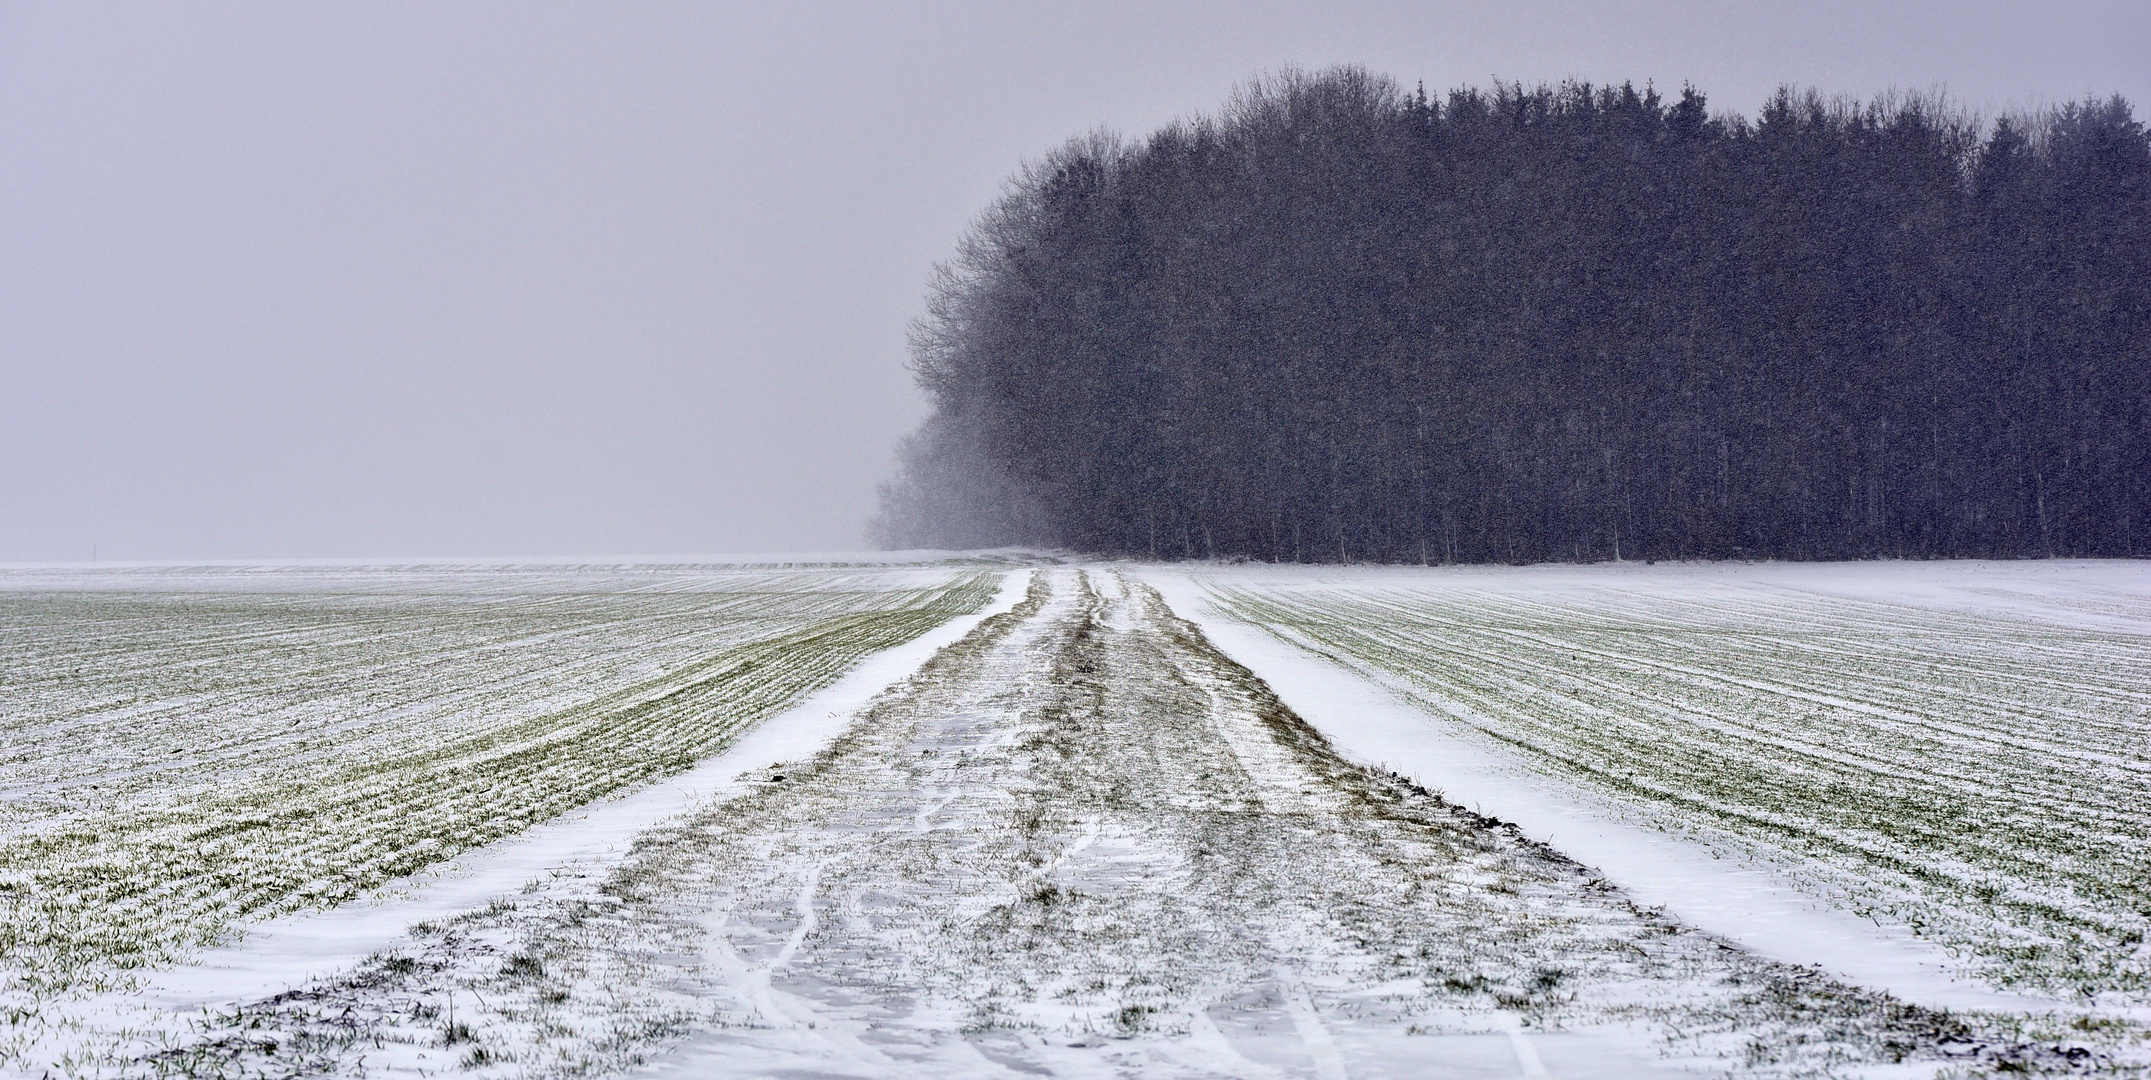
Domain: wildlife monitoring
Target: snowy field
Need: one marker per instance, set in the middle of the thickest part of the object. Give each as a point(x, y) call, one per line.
point(1959, 749)
point(1064, 831)
point(185, 749)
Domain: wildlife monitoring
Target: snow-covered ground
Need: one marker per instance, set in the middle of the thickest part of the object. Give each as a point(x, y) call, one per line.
point(1079, 841)
point(1083, 838)
point(185, 750)
point(1953, 757)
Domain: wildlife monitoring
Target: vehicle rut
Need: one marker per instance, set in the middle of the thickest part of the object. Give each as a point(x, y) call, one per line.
point(1083, 842)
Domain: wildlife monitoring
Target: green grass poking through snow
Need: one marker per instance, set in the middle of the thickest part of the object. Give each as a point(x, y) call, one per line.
point(180, 756)
point(1983, 779)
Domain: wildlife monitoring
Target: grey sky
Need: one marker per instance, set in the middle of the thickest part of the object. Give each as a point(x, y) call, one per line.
point(304, 280)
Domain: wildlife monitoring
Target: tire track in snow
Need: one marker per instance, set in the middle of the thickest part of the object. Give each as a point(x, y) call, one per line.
point(1083, 843)
point(1328, 1063)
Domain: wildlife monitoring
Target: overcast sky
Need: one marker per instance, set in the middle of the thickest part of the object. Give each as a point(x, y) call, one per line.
point(342, 280)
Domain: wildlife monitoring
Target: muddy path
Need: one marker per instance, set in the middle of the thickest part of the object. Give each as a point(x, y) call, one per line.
point(1080, 842)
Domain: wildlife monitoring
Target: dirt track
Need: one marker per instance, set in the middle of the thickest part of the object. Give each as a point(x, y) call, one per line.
point(1082, 842)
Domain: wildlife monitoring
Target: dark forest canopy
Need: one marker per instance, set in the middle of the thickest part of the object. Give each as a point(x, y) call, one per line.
point(1340, 322)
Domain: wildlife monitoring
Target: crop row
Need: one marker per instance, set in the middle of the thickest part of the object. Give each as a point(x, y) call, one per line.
point(176, 760)
point(1984, 780)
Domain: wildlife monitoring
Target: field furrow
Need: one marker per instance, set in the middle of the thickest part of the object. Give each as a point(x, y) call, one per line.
point(181, 753)
point(1979, 773)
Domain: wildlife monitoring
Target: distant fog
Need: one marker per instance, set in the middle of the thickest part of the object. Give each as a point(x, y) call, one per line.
point(488, 279)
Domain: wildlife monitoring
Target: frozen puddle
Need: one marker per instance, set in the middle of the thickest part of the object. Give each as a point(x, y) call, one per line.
point(1078, 842)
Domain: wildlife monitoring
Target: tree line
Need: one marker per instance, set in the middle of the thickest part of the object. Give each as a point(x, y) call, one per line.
point(1341, 322)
